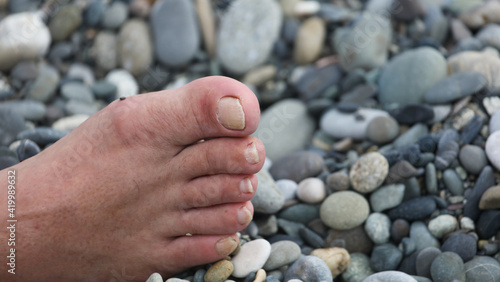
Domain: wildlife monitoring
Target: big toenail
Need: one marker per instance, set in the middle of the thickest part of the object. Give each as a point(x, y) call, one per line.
point(251, 154)
point(230, 113)
point(246, 186)
point(244, 216)
point(225, 246)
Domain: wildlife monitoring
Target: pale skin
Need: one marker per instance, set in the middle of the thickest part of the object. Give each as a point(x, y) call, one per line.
point(115, 198)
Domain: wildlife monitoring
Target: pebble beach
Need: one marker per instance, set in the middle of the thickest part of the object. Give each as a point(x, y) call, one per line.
point(380, 119)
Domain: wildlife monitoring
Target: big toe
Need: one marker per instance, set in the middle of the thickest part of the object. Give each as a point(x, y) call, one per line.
point(205, 108)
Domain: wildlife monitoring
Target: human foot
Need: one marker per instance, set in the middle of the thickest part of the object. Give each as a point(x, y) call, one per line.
point(115, 198)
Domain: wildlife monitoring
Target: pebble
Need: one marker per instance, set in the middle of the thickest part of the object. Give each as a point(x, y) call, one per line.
point(455, 87)
point(27, 149)
point(247, 32)
point(134, 47)
point(126, 85)
point(387, 197)
point(401, 84)
point(422, 237)
point(268, 198)
point(81, 72)
point(483, 182)
point(207, 23)
point(402, 170)
point(382, 129)
point(288, 188)
point(377, 227)
point(309, 41)
point(390, 276)
point(267, 225)
point(349, 125)
point(481, 269)
point(472, 158)
point(316, 81)
point(385, 257)
point(28, 109)
point(448, 266)
point(462, 244)
point(92, 16)
point(489, 35)
point(442, 225)
point(412, 136)
point(337, 259)
point(407, 10)
point(297, 166)
point(175, 31)
point(495, 122)
point(42, 135)
point(431, 179)
point(424, 261)
point(105, 50)
point(490, 199)
point(303, 213)
point(155, 277)
point(311, 238)
point(291, 228)
point(252, 257)
point(484, 63)
point(219, 271)
point(359, 268)
point(64, 22)
point(44, 87)
point(282, 253)
point(480, 13)
point(309, 268)
point(492, 149)
point(11, 124)
point(467, 224)
point(338, 181)
point(77, 91)
point(453, 182)
point(365, 43)
point(368, 173)
point(14, 48)
point(115, 15)
point(353, 240)
point(103, 89)
point(311, 190)
point(447, 151)
point(284, 128)
point(400, 228)
point(344, 210)
point(414, 209)
point(260, 75)
point(70, 122)
point(140, 8)
point(412, 114)
point(488, 224)
point(471, 130)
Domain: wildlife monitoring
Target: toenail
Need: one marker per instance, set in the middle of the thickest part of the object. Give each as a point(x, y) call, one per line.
point(251, 154)
point(244, 216)
point(246, 186)
point(230, 113)
point(225, 246)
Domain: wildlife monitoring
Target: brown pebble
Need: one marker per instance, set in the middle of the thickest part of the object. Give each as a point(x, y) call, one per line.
point(219, 272)
point(490, 199)
point(260, 276)
point(337, 259)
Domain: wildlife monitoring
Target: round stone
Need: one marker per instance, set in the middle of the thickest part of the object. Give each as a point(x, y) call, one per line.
point(64, 22)
point(482, 268)
point(155, 277)
point(134, 47)
point(309, 40)
point(311, 190)
point(406, 78)
point(27, 149)
point(124, 81)
point(344, 210)
point(220, 271)
point(288, 188)
point(424, 261)
point(400, 228)
point(282, 253)
point(387, 197)
point(385, 257)
point(115, 15)
point(369, 172)
point(337, 259)
point(77, 91)
point(448, 266)
point(390, 276)
point(338, 181)
point(105, 51)
point(492, 149)
point(359, 268)
point(247, 33)
point(377, 227)
point(252, 257)
point(442, 225)
point(268, 198)
point(464, 245)
point(382, 129)
point(309, 268)
point(472, 158)
point(490, 199)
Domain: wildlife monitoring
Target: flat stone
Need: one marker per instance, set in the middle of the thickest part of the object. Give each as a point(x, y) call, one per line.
point(490, 199)
point(247, 33)
point(64, 22)
point(448, 148)
point(481, 62)
point(134, 47)
point(448, 266)
point(482, 268)
point(268, 198)
point(93, 14)
point(81, 72)
point(424, 261)
point(377, 227)
point(356, 49)
point(385, 257)
point(462, 244)
point(285, 128)
point(309, 41)
point(344, 210)
point(175, 31)
point(282, 253)
point(406, 78)
point(382, 129)
point(472, 158)
point(387, 197)
point(220, 271)
point(359, 268)
point(442, 225)
point(400, 228)
point(297, 166)
point(431, 179)
point(349, 125)
point(368, 173)
point(252, 257)
point(337, 259)
point(485, 180)
point(311, 238)
point(309, 268)
point(390, 276)
point(453, 182)
point(456, 87)
point(414, 209)
point(267, 225)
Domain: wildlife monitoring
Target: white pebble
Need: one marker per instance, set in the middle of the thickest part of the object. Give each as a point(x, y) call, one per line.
point(442, 225)
point(155, 277)
point(252, 257)
point(69, 123)
point(467, 223)
point(125, 83)
point(288, 188)
point(311, 190)
point(492, 149)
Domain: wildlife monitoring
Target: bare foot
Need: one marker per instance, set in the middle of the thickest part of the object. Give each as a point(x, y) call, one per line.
point(114, 199)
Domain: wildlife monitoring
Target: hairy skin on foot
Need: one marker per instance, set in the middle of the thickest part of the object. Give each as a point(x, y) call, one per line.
point(113, 199)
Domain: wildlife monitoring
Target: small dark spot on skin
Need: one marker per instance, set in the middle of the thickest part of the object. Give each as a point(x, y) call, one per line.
point(122, 98)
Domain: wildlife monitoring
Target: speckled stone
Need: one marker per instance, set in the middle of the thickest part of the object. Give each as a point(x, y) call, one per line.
point(344, 210)
point(377, 227)
point(442, 225)
point(359, 268)
point(220, 271)
point(369, 172)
